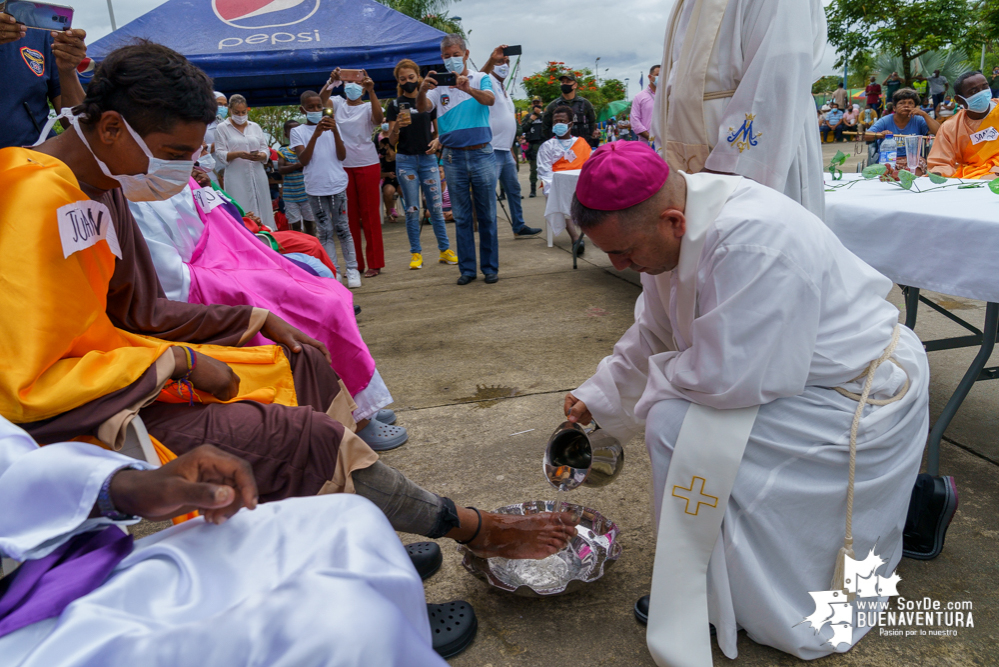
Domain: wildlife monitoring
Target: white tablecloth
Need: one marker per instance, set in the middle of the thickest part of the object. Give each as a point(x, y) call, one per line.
point(559, 205)
point(946, 240)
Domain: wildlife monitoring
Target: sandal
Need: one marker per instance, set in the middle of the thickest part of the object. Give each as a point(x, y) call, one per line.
point(382, 437)
point(453, 627)
point(426, 557)
point(371, 273)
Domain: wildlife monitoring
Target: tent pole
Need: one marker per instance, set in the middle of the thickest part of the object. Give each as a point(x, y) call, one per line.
point(111, 13)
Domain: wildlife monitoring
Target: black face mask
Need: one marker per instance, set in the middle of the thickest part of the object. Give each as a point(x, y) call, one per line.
point(409, 86)
point(566, 88)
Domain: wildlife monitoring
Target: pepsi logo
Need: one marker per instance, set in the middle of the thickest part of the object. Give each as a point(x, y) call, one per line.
point(254, 14)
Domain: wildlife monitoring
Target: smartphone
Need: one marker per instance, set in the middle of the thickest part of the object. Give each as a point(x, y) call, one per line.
point(40, 15)
point(356, 75)
point(445, 78)
point(513, 50)
point(328, 112)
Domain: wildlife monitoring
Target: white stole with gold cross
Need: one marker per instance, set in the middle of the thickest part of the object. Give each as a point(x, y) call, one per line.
point(702, 468)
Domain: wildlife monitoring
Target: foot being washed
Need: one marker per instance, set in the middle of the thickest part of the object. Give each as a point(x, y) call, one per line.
point(516, 536)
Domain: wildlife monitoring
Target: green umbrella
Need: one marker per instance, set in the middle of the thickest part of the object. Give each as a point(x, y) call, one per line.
point(615, 109)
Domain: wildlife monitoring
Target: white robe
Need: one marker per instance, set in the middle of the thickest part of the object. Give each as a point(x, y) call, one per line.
point(246, 180)
point(305, 581)
point(784, 312)
point(769, 53)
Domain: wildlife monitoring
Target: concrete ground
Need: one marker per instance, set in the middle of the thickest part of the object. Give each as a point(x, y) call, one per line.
point(471, 366)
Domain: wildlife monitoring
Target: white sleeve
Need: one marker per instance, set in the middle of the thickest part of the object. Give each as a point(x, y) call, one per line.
point(778, 42)
point(545, 160)
point(221, 145)
point(47, 493)
point(749, 347)
point(295, 139)
point(264, 146)
point(613, 392)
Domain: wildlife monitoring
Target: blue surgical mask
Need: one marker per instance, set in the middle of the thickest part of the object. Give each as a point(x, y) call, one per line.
point(314, 116)
point(979, 102)
point(385, 127)
point(353, 90)
point(455, 65)
point(223, 112)
point(560, 129)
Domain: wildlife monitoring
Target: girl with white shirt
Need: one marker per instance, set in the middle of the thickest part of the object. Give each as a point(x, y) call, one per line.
point(241, 144)
point(357, 120)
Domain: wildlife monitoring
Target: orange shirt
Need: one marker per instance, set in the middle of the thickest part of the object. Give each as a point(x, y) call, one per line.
point(955, 153)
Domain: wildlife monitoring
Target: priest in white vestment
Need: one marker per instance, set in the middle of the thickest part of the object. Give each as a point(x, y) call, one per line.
point(305, 581)
point(737, 94)
point(752, 312)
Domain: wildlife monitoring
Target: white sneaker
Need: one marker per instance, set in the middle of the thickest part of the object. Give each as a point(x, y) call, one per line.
point(353, 278)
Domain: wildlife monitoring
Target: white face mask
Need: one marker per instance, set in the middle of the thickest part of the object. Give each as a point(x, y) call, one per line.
point(239, 120)
point(163, 178)
point(502, 71)
point(207, 162)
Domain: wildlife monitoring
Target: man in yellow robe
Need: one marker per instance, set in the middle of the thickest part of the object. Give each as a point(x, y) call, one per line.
point(91, 339)
point(967, 146)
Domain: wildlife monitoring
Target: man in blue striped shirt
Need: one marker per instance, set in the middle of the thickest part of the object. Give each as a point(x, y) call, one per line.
point(463, 123)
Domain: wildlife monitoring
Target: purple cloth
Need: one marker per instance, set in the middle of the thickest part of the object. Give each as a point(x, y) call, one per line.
point(302, 265)
point(42, 588)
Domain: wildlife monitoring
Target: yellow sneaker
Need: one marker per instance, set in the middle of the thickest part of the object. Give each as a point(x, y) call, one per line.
point(448, 257)
point(416, 262)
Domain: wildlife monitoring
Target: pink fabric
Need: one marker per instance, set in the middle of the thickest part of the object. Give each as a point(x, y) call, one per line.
point(232, 267)
point(641, 111)
point(620, 175)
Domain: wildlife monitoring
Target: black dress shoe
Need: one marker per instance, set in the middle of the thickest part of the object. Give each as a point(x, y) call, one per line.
point(526, 232)
point(491, 278)
point(426, 557)
point(357, 310)
point(579, 246)
point(931, 509)
point(464, 280)
point(452, 627)
point(533, 194)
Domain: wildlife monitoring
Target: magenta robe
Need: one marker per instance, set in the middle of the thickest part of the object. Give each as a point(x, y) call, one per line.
point(231, 266)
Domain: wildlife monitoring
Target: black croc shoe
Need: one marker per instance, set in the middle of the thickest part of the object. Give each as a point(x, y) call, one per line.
point(931, 508)
point(642, 610)
point(452, 626)
point(426, 557)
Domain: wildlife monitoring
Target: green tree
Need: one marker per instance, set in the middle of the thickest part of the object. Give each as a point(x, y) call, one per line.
point(545, 84)
point(612, 89)
point(432, 12)
point(272, 119)
point(904, 28)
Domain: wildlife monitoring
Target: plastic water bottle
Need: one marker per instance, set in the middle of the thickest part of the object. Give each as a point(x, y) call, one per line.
point(889, 151)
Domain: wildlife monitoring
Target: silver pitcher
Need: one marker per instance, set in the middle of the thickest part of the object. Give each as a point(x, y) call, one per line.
point(575, 457)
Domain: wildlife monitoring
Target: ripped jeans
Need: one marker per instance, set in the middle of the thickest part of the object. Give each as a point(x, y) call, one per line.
point(331, 220)
point(413, 173)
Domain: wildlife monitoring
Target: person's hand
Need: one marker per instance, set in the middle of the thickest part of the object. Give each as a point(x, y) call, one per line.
point(283, 333)
point(496, 57)
point(404, 121)
point(389, 174)
point(463, 84)
point(434, 146)
point(576, 410)
point(429, 83)
point(367, 82)
point(534, 116)
point(335, 75)
point(209, 375)
point(69, 48)
point(206, 479)
point(252, 216)
point(10, 29)
point(327, 123)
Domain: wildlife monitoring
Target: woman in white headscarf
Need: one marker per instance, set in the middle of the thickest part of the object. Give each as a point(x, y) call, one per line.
point(243, 147)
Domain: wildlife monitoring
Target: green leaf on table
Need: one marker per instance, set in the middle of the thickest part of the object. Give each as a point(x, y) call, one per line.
point(839, 158)
point(969, 186)
point(873, 171)
point(937, 178)
point(906, 178)
point(994, 186)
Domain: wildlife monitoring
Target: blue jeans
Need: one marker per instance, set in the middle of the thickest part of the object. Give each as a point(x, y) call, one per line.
point(414, 172)
point(506, 172)
point(475, 169)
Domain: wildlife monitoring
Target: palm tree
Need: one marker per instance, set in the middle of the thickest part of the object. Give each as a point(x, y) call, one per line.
point(432, 12)
point(951, 63)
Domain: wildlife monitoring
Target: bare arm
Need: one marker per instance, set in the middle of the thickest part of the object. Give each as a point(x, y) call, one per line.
point(422, 102)
point(930, 122)
point(377, 116)
point(341, 150)
point(285, 167)
point(69, 50)
point(305, 152)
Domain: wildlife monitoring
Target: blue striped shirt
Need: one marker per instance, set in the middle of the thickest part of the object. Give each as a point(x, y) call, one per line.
point(461, 119)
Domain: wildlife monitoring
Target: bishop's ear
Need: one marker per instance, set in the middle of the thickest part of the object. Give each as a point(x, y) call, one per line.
point(675, 222)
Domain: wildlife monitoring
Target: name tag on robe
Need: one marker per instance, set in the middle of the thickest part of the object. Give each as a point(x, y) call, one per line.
point(84, 223)
point(569, 155)
point(988, 134)
point(207, 199)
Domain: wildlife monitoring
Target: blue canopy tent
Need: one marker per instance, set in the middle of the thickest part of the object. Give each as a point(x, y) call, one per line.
point(271, 51)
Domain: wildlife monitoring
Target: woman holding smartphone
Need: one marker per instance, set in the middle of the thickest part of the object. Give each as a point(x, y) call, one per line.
point(241, 143)
point(357, 120)
point(414, 135)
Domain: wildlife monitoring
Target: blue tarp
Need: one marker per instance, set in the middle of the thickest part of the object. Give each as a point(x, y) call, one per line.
point(271, 51)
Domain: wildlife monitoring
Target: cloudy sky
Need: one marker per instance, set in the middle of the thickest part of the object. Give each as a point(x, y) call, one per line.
point(627, 36)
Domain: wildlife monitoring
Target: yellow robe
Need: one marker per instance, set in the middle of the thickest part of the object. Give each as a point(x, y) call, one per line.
point(60, 350)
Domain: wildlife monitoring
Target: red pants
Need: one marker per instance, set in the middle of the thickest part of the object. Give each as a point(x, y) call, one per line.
point(364, 212)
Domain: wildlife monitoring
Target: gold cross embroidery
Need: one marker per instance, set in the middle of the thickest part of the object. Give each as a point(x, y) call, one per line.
point(710, 501)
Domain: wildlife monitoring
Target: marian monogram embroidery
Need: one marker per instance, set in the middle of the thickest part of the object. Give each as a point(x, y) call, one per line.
point(743, 138)
point(695, 498)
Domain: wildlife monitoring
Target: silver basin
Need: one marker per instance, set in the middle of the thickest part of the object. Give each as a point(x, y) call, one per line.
point(594, 549)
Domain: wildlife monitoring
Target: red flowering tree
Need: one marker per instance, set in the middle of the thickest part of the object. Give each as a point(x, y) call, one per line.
point(545, 84)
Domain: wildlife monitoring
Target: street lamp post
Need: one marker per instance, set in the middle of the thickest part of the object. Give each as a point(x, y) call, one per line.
point(596, 72)
point(626, 80)
point(111, 13)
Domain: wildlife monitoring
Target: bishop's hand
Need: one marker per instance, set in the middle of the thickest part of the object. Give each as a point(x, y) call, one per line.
point(576, 411)
point(283, 333)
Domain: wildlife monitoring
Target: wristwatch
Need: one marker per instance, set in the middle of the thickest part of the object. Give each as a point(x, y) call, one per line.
point(104, 503)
